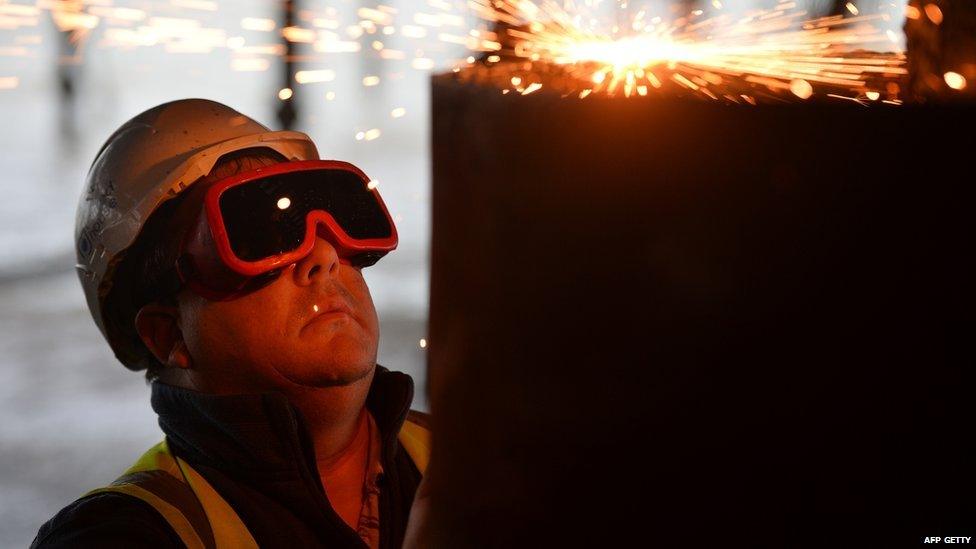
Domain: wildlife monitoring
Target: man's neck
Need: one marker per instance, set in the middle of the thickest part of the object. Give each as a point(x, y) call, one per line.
point(333, 415)
point(339, 426)
point(338, 423)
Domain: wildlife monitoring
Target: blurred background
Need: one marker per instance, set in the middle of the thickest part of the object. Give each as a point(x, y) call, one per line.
point(354, 75)
point(72, 417)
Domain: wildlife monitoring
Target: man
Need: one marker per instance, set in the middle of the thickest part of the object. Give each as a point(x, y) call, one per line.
point(226, 260)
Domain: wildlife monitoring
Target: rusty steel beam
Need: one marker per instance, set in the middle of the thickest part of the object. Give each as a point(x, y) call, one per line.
point(681, 322)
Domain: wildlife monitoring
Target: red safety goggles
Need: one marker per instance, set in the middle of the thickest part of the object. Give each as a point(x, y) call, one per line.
point(255, 223)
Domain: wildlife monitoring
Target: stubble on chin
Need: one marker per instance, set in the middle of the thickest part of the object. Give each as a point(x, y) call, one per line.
point(336, 373)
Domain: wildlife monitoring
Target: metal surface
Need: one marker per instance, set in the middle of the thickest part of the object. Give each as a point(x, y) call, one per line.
point(688, 323)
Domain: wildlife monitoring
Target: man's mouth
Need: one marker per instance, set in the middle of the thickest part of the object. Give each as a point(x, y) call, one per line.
point(331, 309)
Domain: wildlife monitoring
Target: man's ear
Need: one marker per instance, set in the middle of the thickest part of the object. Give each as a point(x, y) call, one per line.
point(159, 330)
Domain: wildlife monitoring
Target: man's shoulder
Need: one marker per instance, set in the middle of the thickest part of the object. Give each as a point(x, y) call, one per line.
point(107, 519)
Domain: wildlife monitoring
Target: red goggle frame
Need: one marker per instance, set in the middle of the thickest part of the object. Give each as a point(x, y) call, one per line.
point(212, 265)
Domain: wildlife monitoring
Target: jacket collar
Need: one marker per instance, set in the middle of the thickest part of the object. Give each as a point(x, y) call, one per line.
point(264, 432)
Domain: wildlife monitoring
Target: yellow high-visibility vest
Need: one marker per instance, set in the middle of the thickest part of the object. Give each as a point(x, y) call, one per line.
point(200, 516)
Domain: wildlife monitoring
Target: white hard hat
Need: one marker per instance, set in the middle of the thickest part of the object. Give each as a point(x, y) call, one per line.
point(149, 160)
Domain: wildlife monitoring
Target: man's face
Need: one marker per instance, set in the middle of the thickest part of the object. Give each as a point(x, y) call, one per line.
point(314, 326)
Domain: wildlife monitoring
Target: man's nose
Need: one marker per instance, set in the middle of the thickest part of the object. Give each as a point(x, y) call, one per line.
point(322, 261)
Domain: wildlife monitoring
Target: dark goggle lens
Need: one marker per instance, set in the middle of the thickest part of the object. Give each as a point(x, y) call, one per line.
point(266, 217)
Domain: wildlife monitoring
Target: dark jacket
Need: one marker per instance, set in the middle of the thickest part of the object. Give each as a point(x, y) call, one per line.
point(256, 452)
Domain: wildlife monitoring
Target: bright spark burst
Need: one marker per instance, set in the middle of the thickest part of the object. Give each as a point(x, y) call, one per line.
point(579, 49)
point(717, 55)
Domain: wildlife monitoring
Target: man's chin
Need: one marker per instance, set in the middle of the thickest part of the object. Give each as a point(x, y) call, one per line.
point(329, 375)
